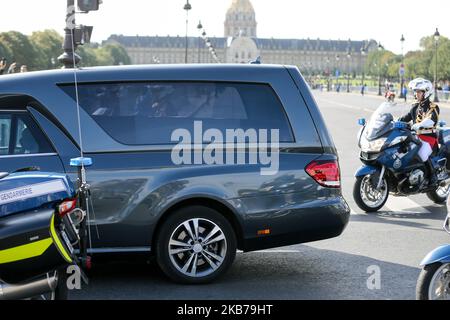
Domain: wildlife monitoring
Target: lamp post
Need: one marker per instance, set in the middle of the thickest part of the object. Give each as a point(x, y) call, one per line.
point(380, 48)
point(337, 71)
point(328, 74)
point(363, 53)
point(402, 71)
point(187, 7)
point(436, 42)
point(199, 27)
point(349, 56)
point(69, 58)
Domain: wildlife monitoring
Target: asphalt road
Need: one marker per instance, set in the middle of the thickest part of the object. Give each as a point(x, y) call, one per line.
point(393, 241)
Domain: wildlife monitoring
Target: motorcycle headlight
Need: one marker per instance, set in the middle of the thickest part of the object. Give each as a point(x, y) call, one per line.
point(372, 146)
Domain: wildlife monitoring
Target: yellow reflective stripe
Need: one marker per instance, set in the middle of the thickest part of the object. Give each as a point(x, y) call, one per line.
point(58, 243)
point(26, 251)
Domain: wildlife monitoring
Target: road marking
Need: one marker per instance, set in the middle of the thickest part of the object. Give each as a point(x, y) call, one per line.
point(405, 204)
point(273, 251)
point(342, 104)
point(400, 205)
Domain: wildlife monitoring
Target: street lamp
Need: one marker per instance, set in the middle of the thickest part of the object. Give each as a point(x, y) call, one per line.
point(380, 48)
point(363, 53)
point(349, 56)
point(436, 42)
point(69, 58)
point(402, 70)
point(199, 27)
point(328, 74)
point(187, 7)
point(337, 71)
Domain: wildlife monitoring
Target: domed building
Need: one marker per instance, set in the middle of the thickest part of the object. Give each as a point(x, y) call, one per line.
point(241, 19)
point(240, 44)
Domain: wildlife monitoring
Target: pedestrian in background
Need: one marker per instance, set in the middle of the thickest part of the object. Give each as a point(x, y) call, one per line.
point(12, 68)
point(3, 64)
point(405, 93)
point(23, 69)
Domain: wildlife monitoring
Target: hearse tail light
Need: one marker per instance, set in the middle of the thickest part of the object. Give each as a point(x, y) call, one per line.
point(325, 172)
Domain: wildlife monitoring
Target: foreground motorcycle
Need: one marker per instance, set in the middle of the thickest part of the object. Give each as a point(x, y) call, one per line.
point(392, 163)
point(42, 232)
point(434, 280)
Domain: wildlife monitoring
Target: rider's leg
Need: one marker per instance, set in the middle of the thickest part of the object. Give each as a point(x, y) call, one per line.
point(425, 153)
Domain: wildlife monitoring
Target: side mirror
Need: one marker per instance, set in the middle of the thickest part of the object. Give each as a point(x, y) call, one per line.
point(362, 122)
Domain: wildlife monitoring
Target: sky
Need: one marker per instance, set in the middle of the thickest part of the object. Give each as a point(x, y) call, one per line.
point(381, 20)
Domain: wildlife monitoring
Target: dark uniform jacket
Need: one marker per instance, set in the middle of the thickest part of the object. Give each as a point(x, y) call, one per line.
point(422, 111)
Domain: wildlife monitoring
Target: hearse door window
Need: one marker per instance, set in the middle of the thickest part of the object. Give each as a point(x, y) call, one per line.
point(19, 135)
point(5, 134)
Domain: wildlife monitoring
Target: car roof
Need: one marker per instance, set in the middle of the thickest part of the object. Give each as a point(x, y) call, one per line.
point(142, 72)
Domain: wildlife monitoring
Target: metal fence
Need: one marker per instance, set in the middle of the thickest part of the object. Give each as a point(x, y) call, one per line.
point(443, 95)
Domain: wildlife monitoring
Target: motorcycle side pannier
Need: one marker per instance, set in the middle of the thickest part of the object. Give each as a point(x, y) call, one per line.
point(444, 141)
point(32, 242)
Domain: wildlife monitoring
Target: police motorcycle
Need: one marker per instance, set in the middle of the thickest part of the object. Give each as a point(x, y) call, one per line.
point(434, 279)
point(43, 230)
point(393, 161)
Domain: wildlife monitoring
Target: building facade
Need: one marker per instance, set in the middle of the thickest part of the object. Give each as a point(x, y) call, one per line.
point(240, 44)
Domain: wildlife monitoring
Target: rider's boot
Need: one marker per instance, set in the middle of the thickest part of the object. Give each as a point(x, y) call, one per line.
point(432, 172)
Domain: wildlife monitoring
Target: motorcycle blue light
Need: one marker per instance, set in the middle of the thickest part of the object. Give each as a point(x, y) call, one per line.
point(400, 125)
point(78, 162)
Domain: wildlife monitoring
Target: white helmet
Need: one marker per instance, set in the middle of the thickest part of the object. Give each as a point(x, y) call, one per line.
point(421, 84)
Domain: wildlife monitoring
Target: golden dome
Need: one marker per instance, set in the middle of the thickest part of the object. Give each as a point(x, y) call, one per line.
point(244, 6)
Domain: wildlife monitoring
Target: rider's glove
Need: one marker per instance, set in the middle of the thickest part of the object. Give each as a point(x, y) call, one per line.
point(425, 124)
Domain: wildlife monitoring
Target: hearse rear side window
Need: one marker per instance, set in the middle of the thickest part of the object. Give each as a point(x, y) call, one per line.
point(148, 113)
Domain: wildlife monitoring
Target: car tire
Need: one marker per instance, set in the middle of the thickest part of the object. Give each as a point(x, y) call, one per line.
point(198, 255)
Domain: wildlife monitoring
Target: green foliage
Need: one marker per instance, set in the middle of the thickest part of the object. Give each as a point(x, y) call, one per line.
point(41, 50)
point(48, 44)
point(423, 63)
point(22, 50)
point(420, 63)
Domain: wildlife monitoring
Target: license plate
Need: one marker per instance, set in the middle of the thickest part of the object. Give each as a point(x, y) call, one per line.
point(67, 241)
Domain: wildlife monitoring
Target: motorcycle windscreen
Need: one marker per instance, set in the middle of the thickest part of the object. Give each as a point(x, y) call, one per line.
point(31, 245)
point(383, 119)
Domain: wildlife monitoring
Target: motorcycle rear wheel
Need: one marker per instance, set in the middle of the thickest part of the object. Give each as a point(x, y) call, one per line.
point(440, 195)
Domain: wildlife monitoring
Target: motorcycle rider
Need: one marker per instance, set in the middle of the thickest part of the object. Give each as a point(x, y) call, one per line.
point(424, 115)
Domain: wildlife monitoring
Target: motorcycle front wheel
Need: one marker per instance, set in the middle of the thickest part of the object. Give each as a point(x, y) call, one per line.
point(367, 197)
point(434, 282)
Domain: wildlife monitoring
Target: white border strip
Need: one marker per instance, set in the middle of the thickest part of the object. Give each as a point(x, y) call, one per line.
point(32, 191)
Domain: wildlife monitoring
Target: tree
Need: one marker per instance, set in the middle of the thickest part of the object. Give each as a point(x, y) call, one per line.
point(379, 62)
point(422, 63)
point(109, 55)
point(48, 43)
point(118, 54)
point(22, 50)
